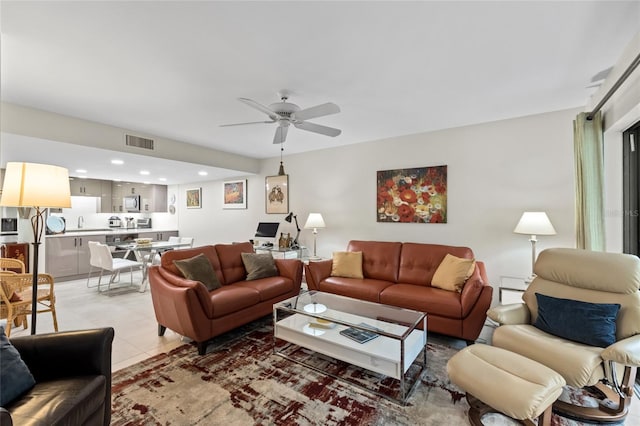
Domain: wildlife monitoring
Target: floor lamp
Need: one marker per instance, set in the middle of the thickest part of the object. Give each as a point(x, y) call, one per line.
point(38, 186)
point(314, 221)
point(534, 223)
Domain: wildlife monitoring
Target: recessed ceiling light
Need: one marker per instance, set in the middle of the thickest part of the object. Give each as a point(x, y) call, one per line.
point(202, 173)
point(145, 172)
point(118, 162)
point(162, 179)
point(81, 171)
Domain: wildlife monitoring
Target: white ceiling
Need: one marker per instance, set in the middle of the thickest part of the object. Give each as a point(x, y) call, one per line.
point(176, 69)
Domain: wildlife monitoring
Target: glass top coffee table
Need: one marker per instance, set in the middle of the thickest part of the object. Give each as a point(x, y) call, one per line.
point(380, 338)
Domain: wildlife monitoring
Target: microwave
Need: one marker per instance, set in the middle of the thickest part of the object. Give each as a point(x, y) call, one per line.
point(132, 203)
point(9, 226)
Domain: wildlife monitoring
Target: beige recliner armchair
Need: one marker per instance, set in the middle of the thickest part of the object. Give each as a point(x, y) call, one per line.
point(590, 344)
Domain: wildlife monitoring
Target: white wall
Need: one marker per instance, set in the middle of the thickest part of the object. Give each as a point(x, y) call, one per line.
point(496, 171)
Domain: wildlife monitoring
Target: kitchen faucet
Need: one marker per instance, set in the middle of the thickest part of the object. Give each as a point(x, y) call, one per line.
point(80, 222)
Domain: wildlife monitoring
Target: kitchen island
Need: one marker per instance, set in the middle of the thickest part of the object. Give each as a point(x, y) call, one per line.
point(67, 253)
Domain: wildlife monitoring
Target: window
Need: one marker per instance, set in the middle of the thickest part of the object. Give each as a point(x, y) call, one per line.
point(631, 197)
point(631, 189)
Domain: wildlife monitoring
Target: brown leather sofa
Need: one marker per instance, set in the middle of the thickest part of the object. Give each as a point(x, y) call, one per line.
point(72, 370)
point(189, 309)
point(399, 274)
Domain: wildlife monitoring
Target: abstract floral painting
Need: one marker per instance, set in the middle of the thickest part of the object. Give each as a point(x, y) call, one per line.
point(417, 195)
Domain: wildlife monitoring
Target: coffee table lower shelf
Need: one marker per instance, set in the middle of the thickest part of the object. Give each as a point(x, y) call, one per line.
point(383, 355)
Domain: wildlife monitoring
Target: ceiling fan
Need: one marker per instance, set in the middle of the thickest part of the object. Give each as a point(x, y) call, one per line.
point(285, 113)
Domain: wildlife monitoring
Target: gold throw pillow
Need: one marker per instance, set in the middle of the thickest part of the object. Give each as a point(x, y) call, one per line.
point(452, 273)
point(347, 264)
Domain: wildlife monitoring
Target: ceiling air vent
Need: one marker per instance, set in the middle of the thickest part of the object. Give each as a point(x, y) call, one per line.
point(139, 142)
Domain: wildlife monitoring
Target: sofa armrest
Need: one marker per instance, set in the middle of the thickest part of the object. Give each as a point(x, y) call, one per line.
point(5, 417)
point(290, 268)
point(317, 271)
point(515, 313)
point(473, 288)
point(625, 352)
point(68, 353)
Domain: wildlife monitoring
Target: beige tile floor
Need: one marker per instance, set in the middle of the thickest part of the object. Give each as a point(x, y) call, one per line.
point(129, 313)
point(136, 331)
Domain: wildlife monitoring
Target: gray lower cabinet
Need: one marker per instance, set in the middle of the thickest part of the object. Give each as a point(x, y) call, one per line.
point(69, 256)
point(158, 236)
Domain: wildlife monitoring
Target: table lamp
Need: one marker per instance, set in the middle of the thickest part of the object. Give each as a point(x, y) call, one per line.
point(314, 221)
point(38, 186)
point(534, 223)
point(295, 245)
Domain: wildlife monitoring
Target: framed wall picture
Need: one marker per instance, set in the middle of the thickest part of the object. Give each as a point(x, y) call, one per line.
point(417, 195)
point(277, 194)
point(235, 194)
point(194, 198)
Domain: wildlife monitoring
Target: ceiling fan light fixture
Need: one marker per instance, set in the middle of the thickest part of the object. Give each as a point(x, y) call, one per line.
point(285, 113)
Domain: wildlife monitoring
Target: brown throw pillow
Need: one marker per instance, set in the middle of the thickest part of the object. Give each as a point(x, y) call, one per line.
point(347, 264)
point(259, 265)
point(198, 268)
point(452, 273)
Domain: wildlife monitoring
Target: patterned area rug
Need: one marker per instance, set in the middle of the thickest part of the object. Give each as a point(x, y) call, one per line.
point(241, 382)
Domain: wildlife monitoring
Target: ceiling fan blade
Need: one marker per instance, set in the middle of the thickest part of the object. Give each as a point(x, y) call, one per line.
point(253, 104)
point(249, 122)
point(281, 134)
point(316, 111)
point(317, 128)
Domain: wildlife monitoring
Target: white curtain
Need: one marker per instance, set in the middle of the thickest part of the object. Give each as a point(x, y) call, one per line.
point(588, 149)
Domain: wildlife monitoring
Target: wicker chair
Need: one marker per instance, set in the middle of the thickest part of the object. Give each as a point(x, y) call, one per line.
point(16, 296)
point(10, 265)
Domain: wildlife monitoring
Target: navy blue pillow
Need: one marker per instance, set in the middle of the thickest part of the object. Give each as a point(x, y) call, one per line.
point(15, 377)
point(589, 323)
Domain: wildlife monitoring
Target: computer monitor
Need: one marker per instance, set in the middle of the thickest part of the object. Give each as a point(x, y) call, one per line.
point(267, 229)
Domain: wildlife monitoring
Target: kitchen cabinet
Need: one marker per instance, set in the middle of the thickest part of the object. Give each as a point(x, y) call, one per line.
point(117, 193)
point(69, 256)
point(153, 198)
point(158, 236)
point(93, 188)
point(85, 187)
point(106, 201)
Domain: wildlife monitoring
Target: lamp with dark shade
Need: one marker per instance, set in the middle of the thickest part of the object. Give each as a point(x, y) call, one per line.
point(38, 186)
point(534, 223)
point(314, 221)
point(288, 219)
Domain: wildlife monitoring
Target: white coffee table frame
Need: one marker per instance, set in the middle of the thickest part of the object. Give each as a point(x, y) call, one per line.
point(397, 347)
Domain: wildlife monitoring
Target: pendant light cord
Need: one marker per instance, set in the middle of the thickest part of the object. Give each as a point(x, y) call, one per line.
point(281, 170)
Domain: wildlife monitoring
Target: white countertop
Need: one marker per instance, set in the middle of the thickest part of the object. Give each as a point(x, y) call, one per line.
point(107, 231)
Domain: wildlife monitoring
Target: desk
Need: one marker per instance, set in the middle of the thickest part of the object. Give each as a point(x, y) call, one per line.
point(153, 248)
point(279, 253)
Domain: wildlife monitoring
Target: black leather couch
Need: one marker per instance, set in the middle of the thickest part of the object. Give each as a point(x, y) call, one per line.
point(72, 370)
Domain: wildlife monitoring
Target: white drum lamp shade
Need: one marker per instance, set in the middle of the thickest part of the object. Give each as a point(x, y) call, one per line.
point(35, 185)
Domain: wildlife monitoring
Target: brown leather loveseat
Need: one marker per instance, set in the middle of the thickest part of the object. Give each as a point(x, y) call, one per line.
point(188, 308)
point(399, 274)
